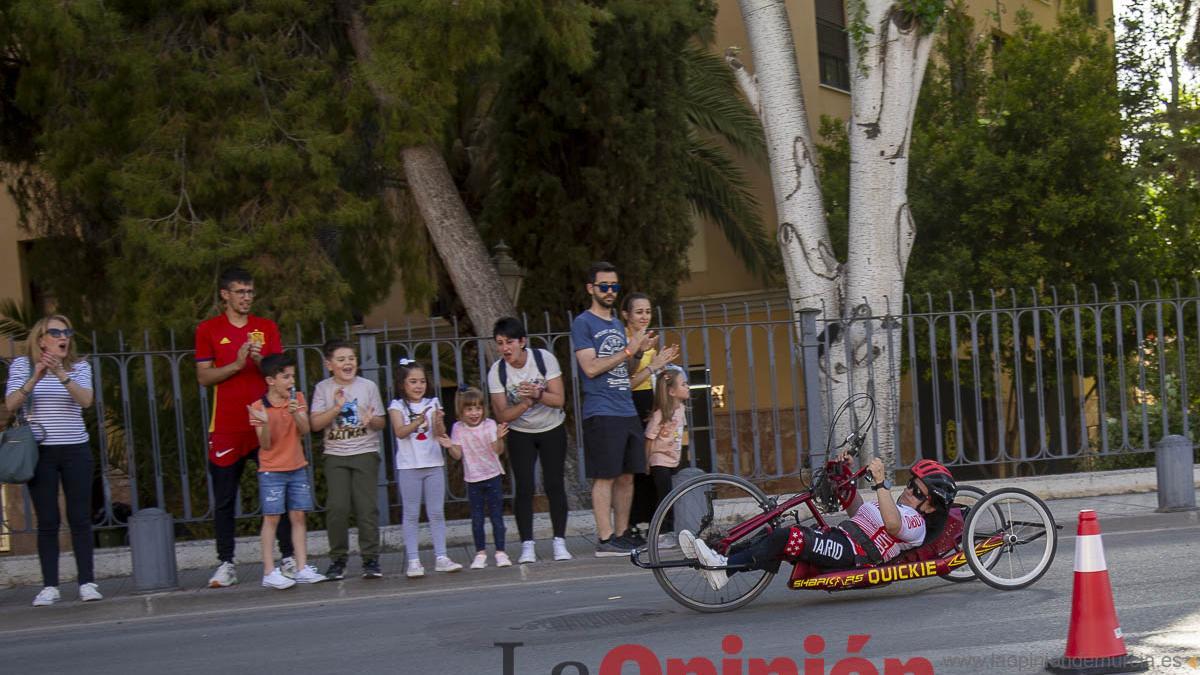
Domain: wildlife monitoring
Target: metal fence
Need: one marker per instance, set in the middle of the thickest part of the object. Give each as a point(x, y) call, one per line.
point(1011, 385)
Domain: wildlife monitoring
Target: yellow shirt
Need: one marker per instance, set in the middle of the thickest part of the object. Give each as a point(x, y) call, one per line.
point(647, 356)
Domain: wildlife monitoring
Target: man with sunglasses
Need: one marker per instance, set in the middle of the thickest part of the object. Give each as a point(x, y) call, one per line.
point(613, 448)
point(229, 348)
point(875, 533)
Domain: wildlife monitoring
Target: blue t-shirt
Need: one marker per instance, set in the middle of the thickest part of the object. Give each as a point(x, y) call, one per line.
point(607, 394)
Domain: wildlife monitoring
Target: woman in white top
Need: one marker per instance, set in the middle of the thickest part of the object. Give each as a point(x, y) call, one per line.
point(526, 390)
point(52, 385)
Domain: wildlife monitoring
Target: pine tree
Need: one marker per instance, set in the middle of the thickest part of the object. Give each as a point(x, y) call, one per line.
point(591, 159)
point(163, 141)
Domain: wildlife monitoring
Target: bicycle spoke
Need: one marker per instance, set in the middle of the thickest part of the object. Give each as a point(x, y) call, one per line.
point(1023, 520)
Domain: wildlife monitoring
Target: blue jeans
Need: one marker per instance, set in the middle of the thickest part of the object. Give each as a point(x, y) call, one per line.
point(283, 491)
point(487, 496)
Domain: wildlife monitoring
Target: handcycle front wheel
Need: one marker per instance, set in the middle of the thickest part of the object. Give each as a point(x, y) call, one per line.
point(707, 506)
point(1028, 538)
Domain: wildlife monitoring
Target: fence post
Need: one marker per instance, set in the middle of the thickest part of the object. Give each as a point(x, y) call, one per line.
point(369, 368)
point(1176, 486)
point(810, 358)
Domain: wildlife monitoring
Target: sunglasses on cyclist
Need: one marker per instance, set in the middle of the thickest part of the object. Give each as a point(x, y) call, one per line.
point(916, 491)
point(60, 332)
point(606, 287)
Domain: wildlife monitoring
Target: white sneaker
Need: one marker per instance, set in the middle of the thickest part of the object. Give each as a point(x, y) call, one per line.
point(480, 561)
point(226, 575)
point(308, 575)
point(276, 580)
point(288, 567)
point(89, 592)
point(445, 564)
point(710, 558)
point(528, 555)
point(48, 596)
point(414, 569)
point(502, 559)
point(687, 543)
point(667, 540)
point(560, 549)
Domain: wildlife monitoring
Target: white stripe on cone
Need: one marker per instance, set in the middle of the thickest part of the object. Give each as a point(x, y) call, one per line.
point(1089, 554)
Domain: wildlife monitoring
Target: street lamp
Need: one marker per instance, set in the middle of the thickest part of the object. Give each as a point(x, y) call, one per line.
point(511, 274)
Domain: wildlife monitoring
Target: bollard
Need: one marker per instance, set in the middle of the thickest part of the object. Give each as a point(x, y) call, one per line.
point(689, 511)
point(152, 546)
point(1176, 486)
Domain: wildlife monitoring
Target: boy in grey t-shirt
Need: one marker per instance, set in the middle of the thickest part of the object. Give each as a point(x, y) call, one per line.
point(349, 410)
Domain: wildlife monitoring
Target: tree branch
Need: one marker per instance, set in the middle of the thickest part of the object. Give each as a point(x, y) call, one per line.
point(746, 82)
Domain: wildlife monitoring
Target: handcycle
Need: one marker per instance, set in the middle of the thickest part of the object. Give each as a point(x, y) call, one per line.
point(1006, 538)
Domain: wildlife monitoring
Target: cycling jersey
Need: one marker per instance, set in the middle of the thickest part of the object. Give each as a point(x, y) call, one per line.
point(869, 520)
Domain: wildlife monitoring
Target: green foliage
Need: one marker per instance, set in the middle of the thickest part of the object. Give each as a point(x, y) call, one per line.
point(1162, 134)
point(714, 105)
point(420, 49)
point(174, 139)
point(925, 13)
point(1017, 176)
point(859, 31)
point(597, 156)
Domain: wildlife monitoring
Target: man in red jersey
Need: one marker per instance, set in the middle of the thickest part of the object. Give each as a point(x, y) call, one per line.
point(228, 349)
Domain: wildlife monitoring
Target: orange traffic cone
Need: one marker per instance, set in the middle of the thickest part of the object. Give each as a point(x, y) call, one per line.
point(1094, 642)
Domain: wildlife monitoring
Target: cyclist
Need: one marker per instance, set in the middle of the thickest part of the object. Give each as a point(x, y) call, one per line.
point(875, 533)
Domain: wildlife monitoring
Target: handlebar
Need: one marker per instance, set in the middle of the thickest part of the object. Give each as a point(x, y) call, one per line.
point(832, 465)
point(837, 484)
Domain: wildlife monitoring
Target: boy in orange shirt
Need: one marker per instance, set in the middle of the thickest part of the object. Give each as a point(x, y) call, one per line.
point(279, 418)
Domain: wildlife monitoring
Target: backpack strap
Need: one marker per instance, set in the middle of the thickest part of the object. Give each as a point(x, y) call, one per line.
point(540, 361)
point(502, 371)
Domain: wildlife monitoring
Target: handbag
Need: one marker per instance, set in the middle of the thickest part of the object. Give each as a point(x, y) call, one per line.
point(18, 450)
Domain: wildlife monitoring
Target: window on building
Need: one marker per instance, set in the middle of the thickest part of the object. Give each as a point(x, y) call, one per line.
point(833, 45)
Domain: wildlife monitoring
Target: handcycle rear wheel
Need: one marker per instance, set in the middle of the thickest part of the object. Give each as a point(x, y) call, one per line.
point(1030, 538)
point(708, 506)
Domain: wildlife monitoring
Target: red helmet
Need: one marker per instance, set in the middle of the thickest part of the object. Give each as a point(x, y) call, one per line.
point(938, 480)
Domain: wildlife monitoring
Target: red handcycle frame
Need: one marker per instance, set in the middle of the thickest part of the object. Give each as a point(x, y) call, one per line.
point(936, 558)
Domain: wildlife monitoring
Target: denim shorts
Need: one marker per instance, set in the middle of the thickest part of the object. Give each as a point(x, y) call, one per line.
point(283, 491)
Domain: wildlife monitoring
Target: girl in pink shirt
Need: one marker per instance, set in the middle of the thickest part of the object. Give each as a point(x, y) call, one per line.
point(475, 439)
point(664, 437)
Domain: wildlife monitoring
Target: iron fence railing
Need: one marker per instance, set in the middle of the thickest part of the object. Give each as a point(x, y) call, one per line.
point(996, 387)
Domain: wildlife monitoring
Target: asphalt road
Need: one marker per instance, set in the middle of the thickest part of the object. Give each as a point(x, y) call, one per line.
point(585, 613)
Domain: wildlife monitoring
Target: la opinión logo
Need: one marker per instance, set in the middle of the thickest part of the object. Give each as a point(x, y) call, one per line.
point(734, 663)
